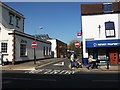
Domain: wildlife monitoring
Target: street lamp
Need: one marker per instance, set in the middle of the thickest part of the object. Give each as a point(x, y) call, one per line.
point(35, 48)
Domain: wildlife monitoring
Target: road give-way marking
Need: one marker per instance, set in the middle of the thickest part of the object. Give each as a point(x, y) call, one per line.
point(59, 64)
point(50, 71)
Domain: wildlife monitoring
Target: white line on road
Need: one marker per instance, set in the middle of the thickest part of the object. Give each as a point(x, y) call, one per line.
point(50, 71)
point(59, 64)
point(29, 79)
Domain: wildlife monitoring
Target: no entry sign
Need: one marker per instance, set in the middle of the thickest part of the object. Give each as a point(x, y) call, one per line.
point(77, 44)
point(34, 44)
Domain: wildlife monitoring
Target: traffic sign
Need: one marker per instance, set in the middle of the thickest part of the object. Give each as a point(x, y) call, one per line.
point(77, 44)
point(34, 44)
point(79, 34)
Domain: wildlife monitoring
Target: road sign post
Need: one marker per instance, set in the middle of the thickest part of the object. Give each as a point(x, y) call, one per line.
point(34, 44)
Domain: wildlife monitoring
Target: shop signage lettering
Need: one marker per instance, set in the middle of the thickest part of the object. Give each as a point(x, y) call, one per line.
point(106, 44)
point(103, 43)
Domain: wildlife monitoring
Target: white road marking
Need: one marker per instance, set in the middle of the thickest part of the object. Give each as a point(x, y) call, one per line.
point(59, 64)
point(50, 71)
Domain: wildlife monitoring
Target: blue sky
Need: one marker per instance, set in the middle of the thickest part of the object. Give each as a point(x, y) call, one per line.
point(59, 20)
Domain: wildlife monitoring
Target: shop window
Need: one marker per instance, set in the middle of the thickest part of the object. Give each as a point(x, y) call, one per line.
point(107, 7)
point(109, 29)
point(23, 50)
point(4, 47)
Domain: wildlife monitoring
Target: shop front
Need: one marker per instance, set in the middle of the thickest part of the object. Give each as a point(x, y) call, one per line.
point(103, 49)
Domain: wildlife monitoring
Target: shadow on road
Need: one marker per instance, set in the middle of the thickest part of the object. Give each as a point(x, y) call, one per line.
point(83, 80)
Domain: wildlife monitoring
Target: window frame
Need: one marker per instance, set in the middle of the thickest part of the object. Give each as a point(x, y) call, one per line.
point(11, 18)
point(17, 21)
point(22, 53)
point(107, 7)
point(110, 29)
point(5, 48)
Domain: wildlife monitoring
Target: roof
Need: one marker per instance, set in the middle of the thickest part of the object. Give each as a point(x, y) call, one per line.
point(11, 9)
point(93, 9)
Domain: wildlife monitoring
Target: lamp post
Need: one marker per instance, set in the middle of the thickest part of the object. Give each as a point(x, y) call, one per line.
point(35, 47)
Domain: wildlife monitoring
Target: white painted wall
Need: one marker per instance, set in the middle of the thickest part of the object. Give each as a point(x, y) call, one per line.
point(90, 24)
point(30, 50)
point(119, 26)
point(53, 46)
point(6, 28)
point(4, 37)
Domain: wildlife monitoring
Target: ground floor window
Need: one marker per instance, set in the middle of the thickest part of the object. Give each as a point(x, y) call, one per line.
point(4, 47)
point(23, 50)
point(44, 53)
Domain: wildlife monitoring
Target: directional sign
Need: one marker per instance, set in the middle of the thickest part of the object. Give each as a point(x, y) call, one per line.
point(77, 44)
point(34, 44)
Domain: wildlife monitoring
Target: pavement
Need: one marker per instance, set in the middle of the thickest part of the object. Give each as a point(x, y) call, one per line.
point(40, 63)
point(101, 69)
point(30, 65)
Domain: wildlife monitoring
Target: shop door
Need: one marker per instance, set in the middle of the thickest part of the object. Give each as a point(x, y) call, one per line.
point(113, 56)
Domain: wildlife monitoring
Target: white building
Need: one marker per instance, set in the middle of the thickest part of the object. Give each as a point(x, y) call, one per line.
point(58, 48)
point(101, 31)
point(15, 45)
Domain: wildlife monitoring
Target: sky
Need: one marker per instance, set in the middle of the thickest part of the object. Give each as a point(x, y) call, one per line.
point(60, 20)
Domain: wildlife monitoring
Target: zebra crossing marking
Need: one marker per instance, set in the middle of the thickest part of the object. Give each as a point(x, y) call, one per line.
point(50, 71)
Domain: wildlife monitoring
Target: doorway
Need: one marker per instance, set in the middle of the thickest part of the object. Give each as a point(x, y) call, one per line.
point(113, 56)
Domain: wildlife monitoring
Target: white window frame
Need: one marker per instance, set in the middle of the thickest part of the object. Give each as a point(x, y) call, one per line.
point(23, 54)
point(5, 47)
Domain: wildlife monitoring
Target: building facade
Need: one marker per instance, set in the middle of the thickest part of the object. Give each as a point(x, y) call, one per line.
point(15, 45)
point(101, 31)
point(58, 48)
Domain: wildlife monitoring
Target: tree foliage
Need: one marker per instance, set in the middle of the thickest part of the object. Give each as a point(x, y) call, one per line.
point(72, 47)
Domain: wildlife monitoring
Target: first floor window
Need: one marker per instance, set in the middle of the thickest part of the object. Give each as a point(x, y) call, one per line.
point(110, 29)
point(23, 50)
point(110, 33)
point(11, 16)
point(4, 47)
point(17, 21)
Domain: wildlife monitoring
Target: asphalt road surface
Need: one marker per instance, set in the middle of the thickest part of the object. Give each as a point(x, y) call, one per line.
point(58, 75)
point(77, 80)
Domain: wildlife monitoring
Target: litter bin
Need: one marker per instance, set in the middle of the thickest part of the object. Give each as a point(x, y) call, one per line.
point(85, 61)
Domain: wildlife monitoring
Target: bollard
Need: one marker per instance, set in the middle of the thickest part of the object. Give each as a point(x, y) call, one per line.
point(107, 63)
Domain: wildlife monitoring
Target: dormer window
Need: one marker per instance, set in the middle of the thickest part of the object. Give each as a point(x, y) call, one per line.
point(107, 7)
point(11, 16)
point(17, 21)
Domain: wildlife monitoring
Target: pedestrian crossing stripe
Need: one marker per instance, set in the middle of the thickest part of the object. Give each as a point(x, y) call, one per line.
point(50, 71)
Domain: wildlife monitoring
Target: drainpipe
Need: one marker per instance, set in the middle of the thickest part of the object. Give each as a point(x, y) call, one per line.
point(13, 50)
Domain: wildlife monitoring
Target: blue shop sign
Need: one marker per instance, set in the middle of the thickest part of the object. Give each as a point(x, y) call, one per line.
point(103, 43)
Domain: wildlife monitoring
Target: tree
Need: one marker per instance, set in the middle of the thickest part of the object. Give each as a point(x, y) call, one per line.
point(72, 47)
